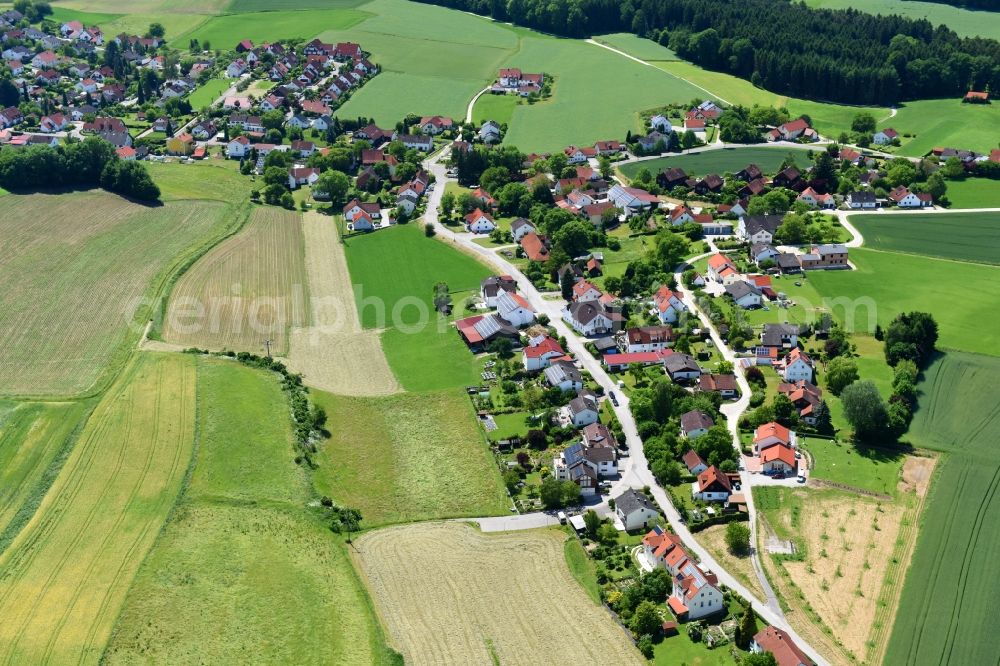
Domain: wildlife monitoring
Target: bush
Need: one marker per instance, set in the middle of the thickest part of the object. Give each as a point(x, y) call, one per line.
point(429, 230)
point(738, 538)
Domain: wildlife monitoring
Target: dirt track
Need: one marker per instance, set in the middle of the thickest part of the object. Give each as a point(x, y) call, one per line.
point(335, 354)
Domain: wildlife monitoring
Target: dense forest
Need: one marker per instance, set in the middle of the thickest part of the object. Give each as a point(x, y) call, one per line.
point(833, 55)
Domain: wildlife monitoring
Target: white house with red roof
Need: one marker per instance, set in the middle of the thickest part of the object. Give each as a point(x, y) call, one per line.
point(540, 355)
point(238, 148)
point(885, 136)
point(712, 485)
point(584, 291)
point(781, 646)
point(302, 176)
point(796, 367)
point(479, 222)
point(813, 198)
point(355, 208)
point(668, 305)
point(435, 124)
point(696, 593)
point(721, 268)
point(772, 434)
point(55, 122)
point(904, 198)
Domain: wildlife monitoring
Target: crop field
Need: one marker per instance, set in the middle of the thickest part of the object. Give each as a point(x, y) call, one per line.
point(77, 268)
point(506, 598)
point(147, 6)
point(961, 296)
point(944, 613)
point(963, 21)
point(946, 123)
point(243, 6)
point(207, 93)
point(67, 572)
point(412, 456)
point(973, 237)
point(239, 561)
point(974, 193)
point(250, 288)
point(721, 161)
point(334, 352)
point(223, 32)
point(423, 349)
point(33, 439)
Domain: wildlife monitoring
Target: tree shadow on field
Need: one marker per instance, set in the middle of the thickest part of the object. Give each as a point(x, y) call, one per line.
point(80, 189)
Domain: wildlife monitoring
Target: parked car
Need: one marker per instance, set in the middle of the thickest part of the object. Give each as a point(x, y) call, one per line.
point(614, 398)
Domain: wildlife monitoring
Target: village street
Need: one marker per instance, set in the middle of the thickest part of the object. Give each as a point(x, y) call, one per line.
point(635, 473)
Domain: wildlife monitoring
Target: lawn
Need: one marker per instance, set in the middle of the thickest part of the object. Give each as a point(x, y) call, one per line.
point(946, 123)
point(67, 573)
point(241, 557)
point(250, 288)
point(972, 237)
point(223, 32)
point(216, 180)
point(423, 348)
point(721, 161)
point(408, 457)
point(974, 193)
point(961, 296)
point(499, 108)
point(682, 650)
point(81, 271)
point(510, 425)
point(507, 598)
point(34, 440)
point(205, 94)
point(583, 567)
point(944, 615)
point(965, 22)
point(875, 470)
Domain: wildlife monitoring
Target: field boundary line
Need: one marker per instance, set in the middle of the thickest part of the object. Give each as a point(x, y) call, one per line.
point(665, 72)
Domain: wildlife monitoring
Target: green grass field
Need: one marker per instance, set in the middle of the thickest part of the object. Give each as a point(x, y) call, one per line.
point(494, 107)
point(81, 270)
point(225, 31)
point(210, 180)
point(644, 49)
point(961, 296)
point(944, 614)
point(34, 440)
point(207, 93)
point(859, 467)
point(974, 193)
point(722, 160)
point(972, 237)
point(423, 350)
point(964, 22)
point(408, 457)
point(67, 573)
point(946, 123)
point(243, 572)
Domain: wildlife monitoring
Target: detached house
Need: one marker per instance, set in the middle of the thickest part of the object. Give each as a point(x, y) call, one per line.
point(479, 222)
point(771, 434)
point(362, 214)
point(720, 268)
point(492, 287)
point(781, 646)
point(582, 410)
point(590, 318)
point(302, 176)
point(694, 463)
point(435, 124)
point(238, 148)
point(534, 247)
point(712, 486)
point(520, 227)
point(648, 339)
point(796, 367)
point(635, 510)
point(885, 136)
point(539, 356)
point(744, 294)
point(564, 376)
point(904, 198)
point(632, 200)
point(695, 593)
point(668, 305)
point(695, 423)
point(514, 309)
point(862, 201)
point(758, 228)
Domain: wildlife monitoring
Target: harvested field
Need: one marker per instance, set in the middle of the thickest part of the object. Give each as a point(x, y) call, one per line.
point(77, 268)
point(335, 353)
point(248, 289)
point(67, 573)
point(505, 598)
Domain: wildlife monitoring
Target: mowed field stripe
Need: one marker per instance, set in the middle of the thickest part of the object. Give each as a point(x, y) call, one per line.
point(99, 519)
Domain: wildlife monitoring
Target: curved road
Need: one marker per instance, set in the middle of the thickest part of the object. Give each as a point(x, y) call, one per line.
point(635, 473)
point(468, 109)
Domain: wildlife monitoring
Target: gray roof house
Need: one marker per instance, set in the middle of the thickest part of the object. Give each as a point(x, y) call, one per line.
point(635, 510)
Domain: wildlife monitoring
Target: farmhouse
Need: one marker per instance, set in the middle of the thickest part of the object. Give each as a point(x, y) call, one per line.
point(712, 486)
point(635, 510)
point(805, 397)
point(782, 336)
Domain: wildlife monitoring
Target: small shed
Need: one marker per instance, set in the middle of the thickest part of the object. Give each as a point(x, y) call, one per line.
point(577, 523)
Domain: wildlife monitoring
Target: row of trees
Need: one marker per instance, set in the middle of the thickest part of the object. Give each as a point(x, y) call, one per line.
point(838, 55)
point(88, 163)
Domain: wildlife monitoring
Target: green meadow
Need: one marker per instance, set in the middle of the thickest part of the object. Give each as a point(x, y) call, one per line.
point(965, 22)
point(945, 123)
point(225, 31)
point(972, 237)
point(398, 269)
point(408, 457)
point(961, 296)
point(205, 94)
point(945, 612)
point(974, 193)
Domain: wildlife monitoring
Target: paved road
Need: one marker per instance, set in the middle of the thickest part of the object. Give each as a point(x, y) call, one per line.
point(472, 103)
point(635, 473)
